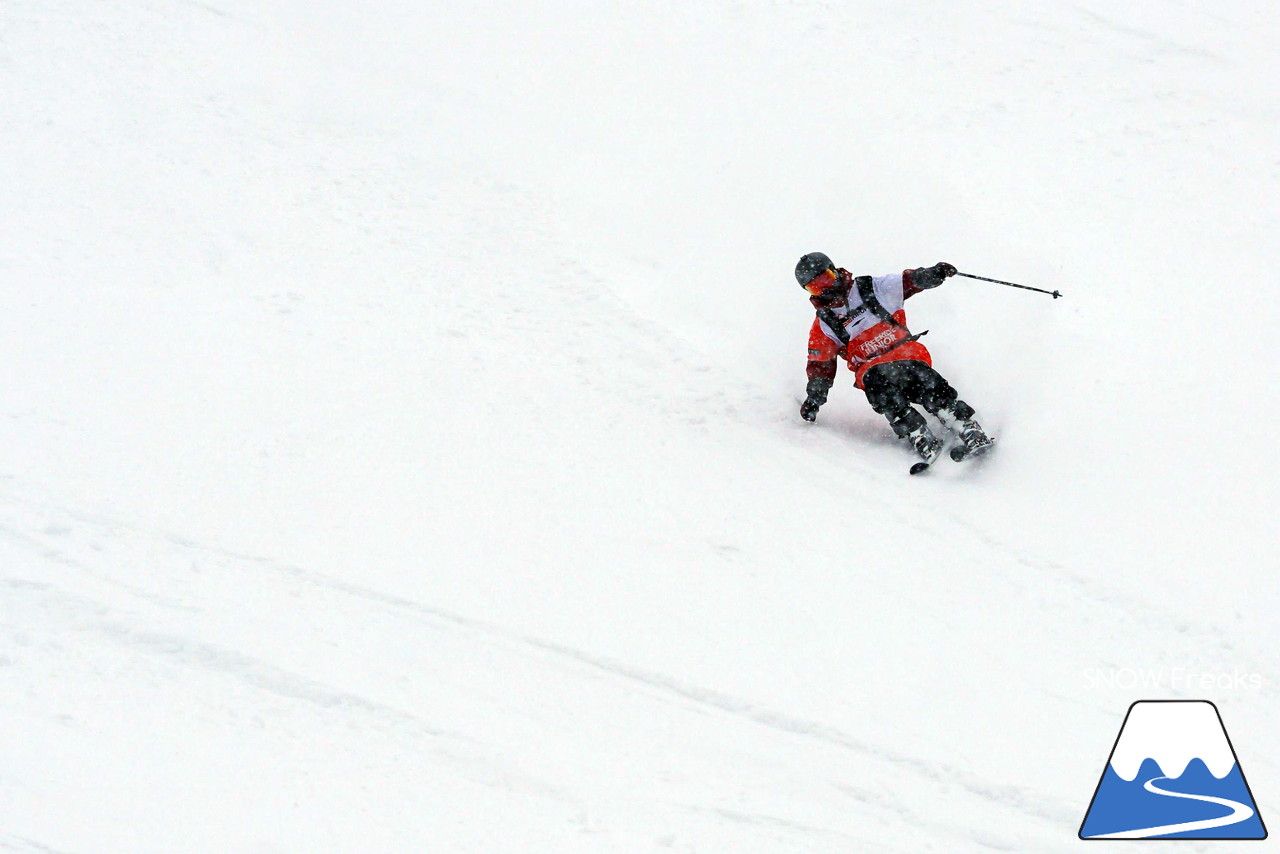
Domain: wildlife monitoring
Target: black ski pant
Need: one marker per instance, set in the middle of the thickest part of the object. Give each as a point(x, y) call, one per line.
point(892, 387)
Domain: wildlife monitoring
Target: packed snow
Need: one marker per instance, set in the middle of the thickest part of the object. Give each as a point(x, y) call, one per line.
point(399, 435)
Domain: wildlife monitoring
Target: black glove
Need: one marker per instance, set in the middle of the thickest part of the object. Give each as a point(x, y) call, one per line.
point(817, 395)
point(931, 277)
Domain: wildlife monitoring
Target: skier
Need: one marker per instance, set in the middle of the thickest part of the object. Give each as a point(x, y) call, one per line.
point(862, 320)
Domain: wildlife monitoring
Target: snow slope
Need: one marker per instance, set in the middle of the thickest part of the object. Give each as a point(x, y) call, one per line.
point(400, 448)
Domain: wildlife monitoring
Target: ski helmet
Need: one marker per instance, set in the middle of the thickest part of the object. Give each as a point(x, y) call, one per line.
point(811, 267)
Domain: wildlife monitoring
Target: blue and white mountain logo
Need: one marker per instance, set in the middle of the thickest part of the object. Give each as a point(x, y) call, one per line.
point(1173, 774)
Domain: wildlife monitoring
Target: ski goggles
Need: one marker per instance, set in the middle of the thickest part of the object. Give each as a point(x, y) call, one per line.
point(821, 282)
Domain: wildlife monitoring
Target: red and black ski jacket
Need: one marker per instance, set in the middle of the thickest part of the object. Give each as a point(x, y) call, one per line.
point(862, 334)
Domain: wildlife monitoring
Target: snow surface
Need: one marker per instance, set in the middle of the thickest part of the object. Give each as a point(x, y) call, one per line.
point(398, 432)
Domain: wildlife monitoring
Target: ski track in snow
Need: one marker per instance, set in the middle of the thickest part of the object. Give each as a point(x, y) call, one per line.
point(98, 624)
point(467, 751)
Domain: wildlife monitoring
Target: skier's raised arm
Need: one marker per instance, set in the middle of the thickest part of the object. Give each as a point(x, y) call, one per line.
point(925, 278)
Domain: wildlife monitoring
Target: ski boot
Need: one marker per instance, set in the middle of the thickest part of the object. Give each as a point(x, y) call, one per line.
point(927, 445)
point(973, 440)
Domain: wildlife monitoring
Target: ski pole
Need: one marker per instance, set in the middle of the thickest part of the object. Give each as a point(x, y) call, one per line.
point(1053, 294)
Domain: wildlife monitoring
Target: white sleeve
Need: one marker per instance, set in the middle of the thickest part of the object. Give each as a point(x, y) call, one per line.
point(889, 290)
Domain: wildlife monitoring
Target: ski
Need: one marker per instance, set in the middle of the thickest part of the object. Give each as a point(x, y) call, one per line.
point(962, 452)
point(959, 453)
